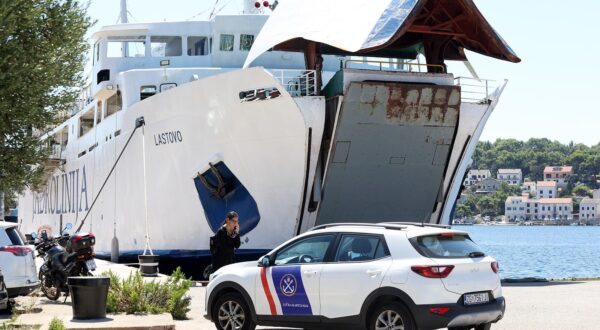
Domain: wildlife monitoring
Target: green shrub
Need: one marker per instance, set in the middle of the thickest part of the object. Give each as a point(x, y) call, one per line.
point(134, 295)
point(56, 324)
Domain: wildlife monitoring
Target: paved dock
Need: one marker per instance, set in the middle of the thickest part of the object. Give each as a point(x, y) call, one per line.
point(547, 306)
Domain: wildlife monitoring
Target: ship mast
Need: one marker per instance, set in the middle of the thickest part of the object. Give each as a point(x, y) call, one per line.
point(123, 13)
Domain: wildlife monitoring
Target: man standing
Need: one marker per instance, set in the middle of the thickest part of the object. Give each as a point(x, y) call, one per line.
point(227, 239)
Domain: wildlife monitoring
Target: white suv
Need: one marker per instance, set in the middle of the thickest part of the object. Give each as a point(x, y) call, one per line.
point(369, 276)
point(16, 261)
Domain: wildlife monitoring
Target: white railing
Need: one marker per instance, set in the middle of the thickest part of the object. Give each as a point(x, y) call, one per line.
point(475, 90)
point(56, 152)
point(297, 82)
point(392, 65)
point(85, 98)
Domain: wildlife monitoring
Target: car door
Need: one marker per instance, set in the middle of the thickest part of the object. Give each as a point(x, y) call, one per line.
point(289, 288)
point(359, 265)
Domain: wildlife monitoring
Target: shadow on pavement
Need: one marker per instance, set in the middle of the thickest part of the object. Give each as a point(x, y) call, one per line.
point(106, 319)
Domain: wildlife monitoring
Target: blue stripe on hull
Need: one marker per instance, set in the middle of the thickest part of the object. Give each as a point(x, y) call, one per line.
point(180, 253)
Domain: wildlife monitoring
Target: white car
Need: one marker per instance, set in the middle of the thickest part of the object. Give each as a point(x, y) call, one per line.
point(17, 261)
point(368, 276)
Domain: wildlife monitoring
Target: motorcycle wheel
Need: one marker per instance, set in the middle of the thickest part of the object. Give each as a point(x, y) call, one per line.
point(52, 292)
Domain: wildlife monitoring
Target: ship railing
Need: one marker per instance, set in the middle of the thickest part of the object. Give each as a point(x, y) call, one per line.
point(85, 98)
point(297, 82)
point(56, 151)
point(391, 65)
point(475, 90)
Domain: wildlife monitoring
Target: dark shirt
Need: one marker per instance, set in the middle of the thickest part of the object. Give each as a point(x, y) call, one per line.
point(225, 245)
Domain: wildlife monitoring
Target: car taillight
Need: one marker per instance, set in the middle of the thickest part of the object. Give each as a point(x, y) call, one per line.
point(495, 267)
point(16, 250)
point(439, 310)
point(433, 271)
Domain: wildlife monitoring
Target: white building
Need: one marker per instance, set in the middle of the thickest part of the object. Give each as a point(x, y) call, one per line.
point(474, 176)
point(546, 189)
point(558, 174)
point(519, 208)
point(588, 208)
point(512, 176)
point(529, 187)
point(555, 209)
point(515, 208)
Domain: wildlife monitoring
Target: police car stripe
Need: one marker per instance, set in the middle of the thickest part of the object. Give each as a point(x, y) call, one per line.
point(265, 284)
point(290, 290)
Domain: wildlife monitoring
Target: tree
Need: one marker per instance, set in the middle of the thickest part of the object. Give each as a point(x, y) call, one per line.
point(43, 51)
point(582, 191)
point(463, 210)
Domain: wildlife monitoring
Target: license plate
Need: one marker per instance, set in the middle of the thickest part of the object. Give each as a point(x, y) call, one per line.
point(91, 264)
point(477, 298)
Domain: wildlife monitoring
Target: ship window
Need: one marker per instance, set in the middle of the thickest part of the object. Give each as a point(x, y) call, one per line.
point(246, 41)
point(147, 91)
point(226, 43)
point(126, 46)
point(197, 46)
point(99, 112)
point(162, 46)
point(86, 122)
point(114, 103)
point(96, 52)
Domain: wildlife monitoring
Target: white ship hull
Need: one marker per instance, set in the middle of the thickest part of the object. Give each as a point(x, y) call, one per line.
point(264, 143)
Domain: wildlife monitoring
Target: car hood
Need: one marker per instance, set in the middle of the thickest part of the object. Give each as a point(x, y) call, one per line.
point(236, 267)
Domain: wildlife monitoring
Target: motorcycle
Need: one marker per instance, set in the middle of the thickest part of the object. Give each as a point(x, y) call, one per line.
point(64, 256)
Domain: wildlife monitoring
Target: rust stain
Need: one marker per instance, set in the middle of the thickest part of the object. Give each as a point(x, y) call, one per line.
point(424, 105)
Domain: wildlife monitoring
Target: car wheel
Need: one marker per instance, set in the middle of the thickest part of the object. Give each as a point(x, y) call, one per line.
point(50, 291)
point(391, 316)
point(232, 313)
point(486, 326)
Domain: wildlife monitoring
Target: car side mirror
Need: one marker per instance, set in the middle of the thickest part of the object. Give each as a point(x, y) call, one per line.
point(265, 261)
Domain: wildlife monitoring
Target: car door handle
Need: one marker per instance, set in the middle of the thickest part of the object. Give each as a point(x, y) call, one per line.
point(309, 272)
point(373, 273)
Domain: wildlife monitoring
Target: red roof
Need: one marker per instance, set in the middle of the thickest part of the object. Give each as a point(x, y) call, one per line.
point(558, 169)
point(546, 184)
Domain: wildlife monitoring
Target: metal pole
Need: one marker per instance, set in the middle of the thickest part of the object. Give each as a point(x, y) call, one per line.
point(123, 14)
point(147, 245)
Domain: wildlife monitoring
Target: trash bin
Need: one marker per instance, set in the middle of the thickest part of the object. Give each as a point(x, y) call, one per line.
point(148, 264)
point(88, 294)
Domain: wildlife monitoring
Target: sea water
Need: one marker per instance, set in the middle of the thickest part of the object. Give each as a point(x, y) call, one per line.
point(552, 252)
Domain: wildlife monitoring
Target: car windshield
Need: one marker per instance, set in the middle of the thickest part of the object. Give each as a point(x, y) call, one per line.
point(447, 245)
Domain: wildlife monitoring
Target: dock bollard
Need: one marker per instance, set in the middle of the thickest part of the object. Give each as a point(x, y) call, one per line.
point(148, 264)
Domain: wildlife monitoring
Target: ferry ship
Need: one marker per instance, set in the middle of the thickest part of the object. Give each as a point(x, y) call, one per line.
point(317, 112)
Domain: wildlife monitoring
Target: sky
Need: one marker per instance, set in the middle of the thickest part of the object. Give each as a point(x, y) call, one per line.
point(552, 93)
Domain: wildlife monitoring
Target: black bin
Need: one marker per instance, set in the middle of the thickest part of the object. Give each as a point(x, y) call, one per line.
point(89, 296)
point(148, 264)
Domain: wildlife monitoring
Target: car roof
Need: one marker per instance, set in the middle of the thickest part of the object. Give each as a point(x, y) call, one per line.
point(5, 224)
point(409, 229)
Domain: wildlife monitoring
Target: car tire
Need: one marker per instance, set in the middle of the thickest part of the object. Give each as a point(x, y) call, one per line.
point(391, 314)
point(486, 326)
point(231, 312)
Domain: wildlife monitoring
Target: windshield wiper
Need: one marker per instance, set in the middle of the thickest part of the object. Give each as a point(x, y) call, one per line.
point(476, 254)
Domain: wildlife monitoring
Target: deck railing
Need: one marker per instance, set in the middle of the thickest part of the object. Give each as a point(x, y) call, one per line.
point(401, 66)
point(297, 82)
point(475, 90)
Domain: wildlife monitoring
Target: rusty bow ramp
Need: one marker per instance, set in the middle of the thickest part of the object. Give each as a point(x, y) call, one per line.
point(390, 151)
